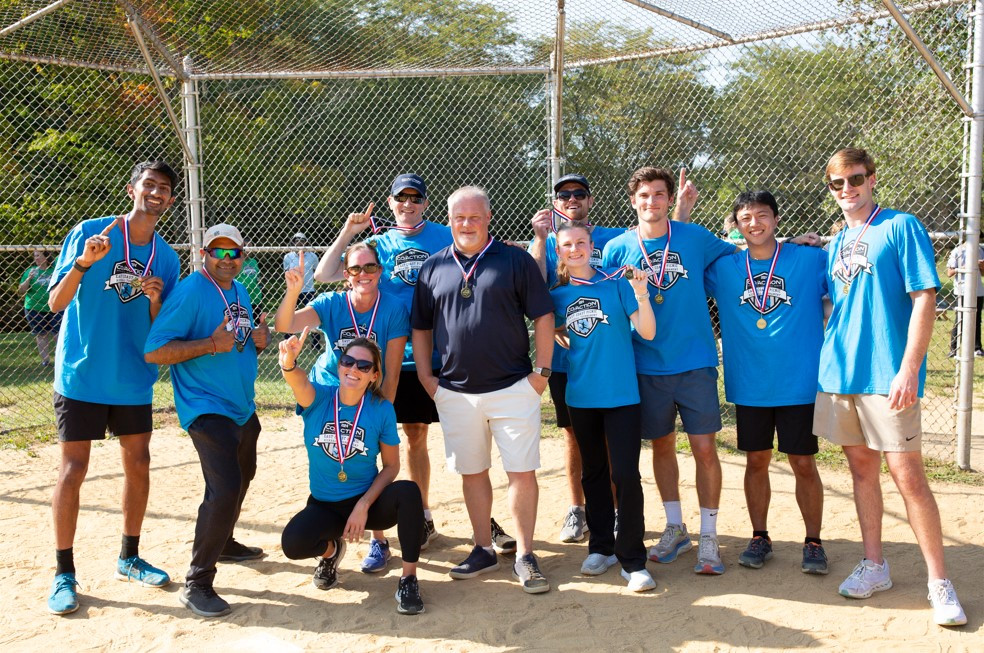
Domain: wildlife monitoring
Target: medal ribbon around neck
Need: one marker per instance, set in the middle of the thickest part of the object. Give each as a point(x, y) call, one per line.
point(377, 225)
point(234, 325)
point(617, 274)
point(666, 253)
point(840, 253)
point(351, 310)
point(557, 213)
point(468, 275)
point(344, 453)
point(760, 303)
point(125, 226)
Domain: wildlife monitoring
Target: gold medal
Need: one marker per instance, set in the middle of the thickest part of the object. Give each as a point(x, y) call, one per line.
point(761, 323)
point(342, 476)
point(846, 289)
point(240, 346)
point(628, 274)
point(466, 292)
point(659, 299)
point(136, 282)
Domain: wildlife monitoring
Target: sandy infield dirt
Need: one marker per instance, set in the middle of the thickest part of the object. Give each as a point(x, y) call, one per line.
point(276, 608)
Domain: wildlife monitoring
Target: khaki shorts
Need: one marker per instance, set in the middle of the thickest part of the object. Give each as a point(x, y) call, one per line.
point(470, 421)
point(849, 420)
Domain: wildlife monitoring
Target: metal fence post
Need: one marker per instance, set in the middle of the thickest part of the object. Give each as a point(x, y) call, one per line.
point(194, 201)
point(556, 89)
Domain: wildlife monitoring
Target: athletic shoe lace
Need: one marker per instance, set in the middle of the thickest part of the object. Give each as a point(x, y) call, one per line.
point(409, 588)
point(759, 546)
point(943, 594)
point(376, 550)
point(708, 548)
point(666, 539)
point(572, 519)
point(66, 582)
point(497, 531)
point(532, 569)
point(814, 553)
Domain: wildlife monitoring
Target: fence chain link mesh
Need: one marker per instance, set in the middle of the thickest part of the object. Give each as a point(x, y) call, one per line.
point(308, 110)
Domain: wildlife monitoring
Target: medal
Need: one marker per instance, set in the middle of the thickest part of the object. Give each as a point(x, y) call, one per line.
point(137, 281)
point(662, 264)
point(233, 325)
point(840, 252)
point(658, 299)
point(343, 453)
point(760, 301)
point(466, 292)
point(846, 289)
point(355, 324)
point(240, 346)
point(377, 225)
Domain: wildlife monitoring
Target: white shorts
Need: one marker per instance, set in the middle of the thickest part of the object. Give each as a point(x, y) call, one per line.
point(470, 421)
point(854, 420)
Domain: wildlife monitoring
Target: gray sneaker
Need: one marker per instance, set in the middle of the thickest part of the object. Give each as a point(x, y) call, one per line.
point(203, 601)
point(597, 563)
point(527, 572)
point(575, 525)
point(502, 542)
point(674, 541)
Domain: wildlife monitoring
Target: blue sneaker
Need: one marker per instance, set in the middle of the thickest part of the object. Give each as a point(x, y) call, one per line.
point(140, 571)
point(63, 599)
point(379, 555)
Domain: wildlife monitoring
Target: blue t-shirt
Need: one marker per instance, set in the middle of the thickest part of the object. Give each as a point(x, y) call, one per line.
point(599, 237)
point(867, 331)
point(392, 321)
point(223, 384)
point(377, 424)
point(482, 339)
point(684, 340)
point(401, 256)
point(99, 357)
point(602, 364)
point(777, 365)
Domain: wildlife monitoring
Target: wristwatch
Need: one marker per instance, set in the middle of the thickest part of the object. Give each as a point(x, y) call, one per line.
point(542, 371)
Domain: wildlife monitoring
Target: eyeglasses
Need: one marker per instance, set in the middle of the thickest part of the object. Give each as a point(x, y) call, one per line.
point(363, 366)
point(568, 194)
point(853, 180)
point(368, 268)
point(403, 197)
point(225, 252)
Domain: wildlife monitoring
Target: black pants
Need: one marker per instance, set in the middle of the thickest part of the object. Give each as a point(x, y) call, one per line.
point(958, 318)
point(620, 428)
point(308, 532)
point(227, 453)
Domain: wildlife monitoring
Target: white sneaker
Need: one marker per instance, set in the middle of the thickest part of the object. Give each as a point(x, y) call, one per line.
point(596, 564)
point(639, 581)
point(866, 579)
point(946, 606)
point(709, 556)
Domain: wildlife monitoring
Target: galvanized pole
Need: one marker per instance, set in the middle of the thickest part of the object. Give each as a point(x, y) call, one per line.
point(557, 99)
point(193, 187)
point(967, 313)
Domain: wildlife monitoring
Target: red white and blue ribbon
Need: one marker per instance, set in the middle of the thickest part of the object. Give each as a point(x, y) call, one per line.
point(377, 225)
point(666, 253)
point(355, 324)
point(840, 254)
point(760, 303)
point(125, 222)
point(617, 274)
point(234, 319)
point(468, 275)
point(556, 214)
point(343, 453)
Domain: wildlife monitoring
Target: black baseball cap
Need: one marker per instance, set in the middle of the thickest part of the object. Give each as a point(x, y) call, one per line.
point(403, 182)
point(573, 178)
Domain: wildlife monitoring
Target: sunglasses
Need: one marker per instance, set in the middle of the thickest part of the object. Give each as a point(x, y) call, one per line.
point(853, 180)
point(363, 366)
point(225, 252)
point(368, 268)
point(568, 194)
point(403, 197)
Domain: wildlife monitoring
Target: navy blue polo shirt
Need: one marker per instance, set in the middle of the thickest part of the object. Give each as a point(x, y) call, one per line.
point(482, 339)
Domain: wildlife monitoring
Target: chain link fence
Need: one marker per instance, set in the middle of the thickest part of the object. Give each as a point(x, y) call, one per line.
point(307, 111)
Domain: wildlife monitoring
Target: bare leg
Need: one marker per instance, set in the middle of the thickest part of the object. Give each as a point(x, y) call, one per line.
point(477, 489)
point(920, 506)
point(524, 497)
point(758, 489)
point(809, 492)
point(865, 467)
point(665, 468)
point(65, 499)
point(708, 470)
point(135, 451)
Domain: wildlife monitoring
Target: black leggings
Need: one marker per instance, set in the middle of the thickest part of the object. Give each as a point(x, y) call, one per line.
point(620, 428)
point(308, 532)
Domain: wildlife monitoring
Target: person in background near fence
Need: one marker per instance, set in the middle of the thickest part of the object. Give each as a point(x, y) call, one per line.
point(677, 370)
point(881, 273)
point(250, 278)
point(111, 277)
point(954, 269)
point(40, 318)
point(308, 293)
point(402, 245)
point(207, 334)
point(770, 298)
point(346, 428)
point(471, 304)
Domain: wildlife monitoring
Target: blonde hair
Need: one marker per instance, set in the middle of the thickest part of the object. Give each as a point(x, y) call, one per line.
point(563, 275)
point(469, 191)
point(850, 156)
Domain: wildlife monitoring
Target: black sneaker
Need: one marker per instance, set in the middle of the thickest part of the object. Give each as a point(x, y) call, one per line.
point(502, 542)
point(478, 562)
point(326, 575)
point(814, 559)
point(408, 599)
point(429, 534)
point(237, 552)
point(203, 601)
point(527, 572)
point(759, 550)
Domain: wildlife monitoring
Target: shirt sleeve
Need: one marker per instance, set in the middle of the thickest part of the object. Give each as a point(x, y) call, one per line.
point(951, 261)
point(535, 296)
point(821, 273)
point(422, 311)
point(387, 424)
point(609, 255)
point(24, 276)
point(626, 295)
point(399, 324)
point(917, 260)
point(321, 395)
point(711, 278)
point(288, 261)
point(715, 248)
point(173, 322)
point(171, 274)
point(71, 250)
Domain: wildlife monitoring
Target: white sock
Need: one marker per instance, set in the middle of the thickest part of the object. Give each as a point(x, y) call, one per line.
point(427, 513)
point(708, 521)
point(674, 512)
point(489, 549)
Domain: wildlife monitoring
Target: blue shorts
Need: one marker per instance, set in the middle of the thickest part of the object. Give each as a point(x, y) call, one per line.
point(694, 394)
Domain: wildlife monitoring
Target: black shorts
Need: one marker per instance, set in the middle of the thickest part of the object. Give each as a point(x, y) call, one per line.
point(793, 424)
point(558, 394)
point(413, 405)
point(78, 421)
point(43, 321)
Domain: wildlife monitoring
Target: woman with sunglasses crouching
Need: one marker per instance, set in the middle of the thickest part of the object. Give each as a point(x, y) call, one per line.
point(360, 311)
point(348, 493)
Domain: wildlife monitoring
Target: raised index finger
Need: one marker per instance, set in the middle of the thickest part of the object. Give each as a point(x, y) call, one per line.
point(304, 335)
point(300, 260)
point(683, 178)
point(109, 227)
point(369, 208)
